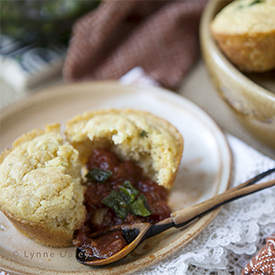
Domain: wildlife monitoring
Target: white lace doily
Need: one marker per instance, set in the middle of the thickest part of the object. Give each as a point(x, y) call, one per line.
point(237, 232)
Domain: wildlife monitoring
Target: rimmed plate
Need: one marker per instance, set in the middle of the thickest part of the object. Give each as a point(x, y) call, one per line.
point(205, 169)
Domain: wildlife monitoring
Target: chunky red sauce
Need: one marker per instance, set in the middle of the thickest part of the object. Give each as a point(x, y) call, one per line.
point(100, 217)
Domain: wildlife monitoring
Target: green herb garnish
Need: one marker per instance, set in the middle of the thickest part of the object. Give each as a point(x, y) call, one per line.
point(143, 134)
point(241, 5)
point(98, 175)
point(256, 2)
point(127, 200)
point(128, 192)
point(117, 203)
point(140, 207)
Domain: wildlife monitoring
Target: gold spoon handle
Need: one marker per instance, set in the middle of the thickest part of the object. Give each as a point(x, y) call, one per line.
point(184, 216)
point(252, 180)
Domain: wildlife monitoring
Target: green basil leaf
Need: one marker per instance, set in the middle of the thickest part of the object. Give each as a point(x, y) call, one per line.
point(140, 207)
point(116, 202)
point(128, 192)
point(126, 201)
point(98, 175)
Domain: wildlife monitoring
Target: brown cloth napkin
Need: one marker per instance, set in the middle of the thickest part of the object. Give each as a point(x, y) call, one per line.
point(159, 36)
point(264, 262)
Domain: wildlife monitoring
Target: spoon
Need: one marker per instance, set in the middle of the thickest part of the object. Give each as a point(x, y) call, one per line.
point(134, 234)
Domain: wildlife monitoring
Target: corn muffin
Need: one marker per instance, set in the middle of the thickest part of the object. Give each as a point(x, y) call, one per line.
point(151, 142)
point(40, 187)
point(245, 32)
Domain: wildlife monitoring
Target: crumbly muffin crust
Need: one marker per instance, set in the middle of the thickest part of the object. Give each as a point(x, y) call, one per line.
point(40, 183)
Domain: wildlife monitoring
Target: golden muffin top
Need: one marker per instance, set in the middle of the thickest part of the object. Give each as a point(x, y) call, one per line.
point(151, 142)
point(246, 16)
point(40, 180)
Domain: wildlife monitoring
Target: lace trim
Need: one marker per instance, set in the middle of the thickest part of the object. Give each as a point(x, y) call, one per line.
point(239, 230)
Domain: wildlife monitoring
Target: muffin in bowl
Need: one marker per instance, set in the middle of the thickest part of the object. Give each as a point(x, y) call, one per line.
point(250, 102)
point(245, 32)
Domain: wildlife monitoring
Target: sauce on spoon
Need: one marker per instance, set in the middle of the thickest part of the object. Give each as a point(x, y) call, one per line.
point(117, 193)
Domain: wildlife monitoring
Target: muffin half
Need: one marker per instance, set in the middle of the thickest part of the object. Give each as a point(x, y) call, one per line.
point(150, 141)
point(41, 191)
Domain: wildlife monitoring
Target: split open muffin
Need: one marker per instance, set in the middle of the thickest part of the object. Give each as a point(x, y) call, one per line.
point(54, 190)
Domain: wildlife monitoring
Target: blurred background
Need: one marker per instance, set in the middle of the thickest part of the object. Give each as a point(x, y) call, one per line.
point(34, 38)
point(33, 46)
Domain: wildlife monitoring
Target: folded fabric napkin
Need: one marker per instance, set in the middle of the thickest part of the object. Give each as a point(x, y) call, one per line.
point(264, 261)
point(160, 36)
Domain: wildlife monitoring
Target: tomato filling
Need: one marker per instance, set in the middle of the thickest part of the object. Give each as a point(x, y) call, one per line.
point(117, 193)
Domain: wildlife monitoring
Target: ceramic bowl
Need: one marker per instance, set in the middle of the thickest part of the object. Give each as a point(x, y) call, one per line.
point(252, 103)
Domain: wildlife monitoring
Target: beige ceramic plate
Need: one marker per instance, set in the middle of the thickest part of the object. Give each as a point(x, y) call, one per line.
point(205, 170)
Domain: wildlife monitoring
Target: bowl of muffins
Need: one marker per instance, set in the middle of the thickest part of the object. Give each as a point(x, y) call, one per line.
point(238, 47)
